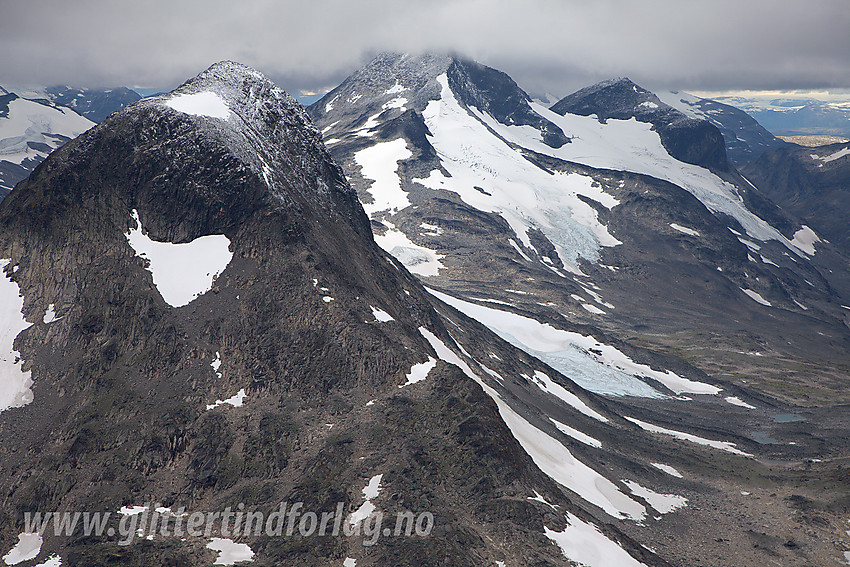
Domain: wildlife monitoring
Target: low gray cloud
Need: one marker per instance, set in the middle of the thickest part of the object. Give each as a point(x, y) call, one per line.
point(553, 46)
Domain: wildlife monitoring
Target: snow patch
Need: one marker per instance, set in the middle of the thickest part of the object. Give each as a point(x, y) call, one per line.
point(236, 401)
point(755, 296)
point(216, 364)
point(576, 434)
point(15, 383)
point(395, 89)
point(684, 229)
point(417, 259)
point(395, 103)
point(592, 308)
point(28, 547)
point(230, 552)
point(433, 230)
point(181, 272)
point(735, 401)
point(548, 385)
point(662, 503)
point(519, 250)
point(584, 544)
point(805, 239)
point(832, 157)
point(370, 492)
point(538, 498)
point(380, 315)
point(208, 104)
point(50, 315)
point(667, 469)
point(419, 372)
point(380, 164)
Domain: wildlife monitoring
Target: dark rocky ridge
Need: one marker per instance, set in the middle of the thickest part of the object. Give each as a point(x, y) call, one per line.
point(122, 379)
point(692, 141)
point(495, 93)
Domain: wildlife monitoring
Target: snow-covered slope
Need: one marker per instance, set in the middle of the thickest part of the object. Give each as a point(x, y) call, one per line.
point(29, 131)
point(415, 130)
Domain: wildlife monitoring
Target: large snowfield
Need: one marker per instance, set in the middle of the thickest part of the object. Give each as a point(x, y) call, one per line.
point(491, 176)
point(611, 372)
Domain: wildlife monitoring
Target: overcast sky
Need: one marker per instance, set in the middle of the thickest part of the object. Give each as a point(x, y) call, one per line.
point(554, 46)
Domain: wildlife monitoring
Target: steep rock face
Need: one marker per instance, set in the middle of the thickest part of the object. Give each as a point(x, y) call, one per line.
point(290, 378)
point(812, 183)
point(495, 93)
point(691, 141)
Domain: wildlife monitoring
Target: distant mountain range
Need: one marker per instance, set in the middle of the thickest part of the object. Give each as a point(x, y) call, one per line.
point(796, 116)
point(35, 123)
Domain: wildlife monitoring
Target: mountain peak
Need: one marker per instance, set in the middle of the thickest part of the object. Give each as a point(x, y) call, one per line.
point(613, 98)
point(687, 139)
point(231, 86)
point(225, 141)
point(393, 83)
